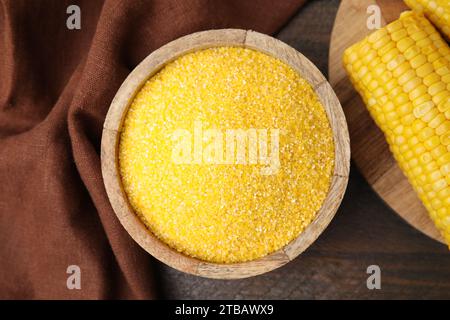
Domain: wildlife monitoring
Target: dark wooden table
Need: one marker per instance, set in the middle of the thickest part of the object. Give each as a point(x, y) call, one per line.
point(364, 232)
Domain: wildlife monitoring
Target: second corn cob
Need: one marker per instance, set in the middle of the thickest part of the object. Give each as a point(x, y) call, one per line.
point(403, 75)
point(438, 11)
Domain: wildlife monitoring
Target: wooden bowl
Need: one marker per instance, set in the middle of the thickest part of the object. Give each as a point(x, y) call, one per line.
point(152, 64)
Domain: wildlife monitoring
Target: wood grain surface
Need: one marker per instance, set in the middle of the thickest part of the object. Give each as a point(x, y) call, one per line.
point(365, 230)
point(370, 150)
point(152, 64)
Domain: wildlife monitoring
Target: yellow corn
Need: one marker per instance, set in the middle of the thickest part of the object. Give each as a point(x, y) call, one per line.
point(438, 11)
point(211, 203)
point(403, 74)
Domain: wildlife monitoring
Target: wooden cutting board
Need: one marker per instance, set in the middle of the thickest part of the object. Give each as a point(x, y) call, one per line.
point(370, 151)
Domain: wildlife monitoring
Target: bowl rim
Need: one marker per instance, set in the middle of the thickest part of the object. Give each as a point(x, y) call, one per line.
point(155, 62)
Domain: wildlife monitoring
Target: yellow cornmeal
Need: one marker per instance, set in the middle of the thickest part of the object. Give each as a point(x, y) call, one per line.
point(226, 213)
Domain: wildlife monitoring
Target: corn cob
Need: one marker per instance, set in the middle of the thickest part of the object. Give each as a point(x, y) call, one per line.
point(402, 73)
point(438, 11)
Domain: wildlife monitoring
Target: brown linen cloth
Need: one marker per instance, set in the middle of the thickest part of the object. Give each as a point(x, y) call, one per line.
point(56, 85)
